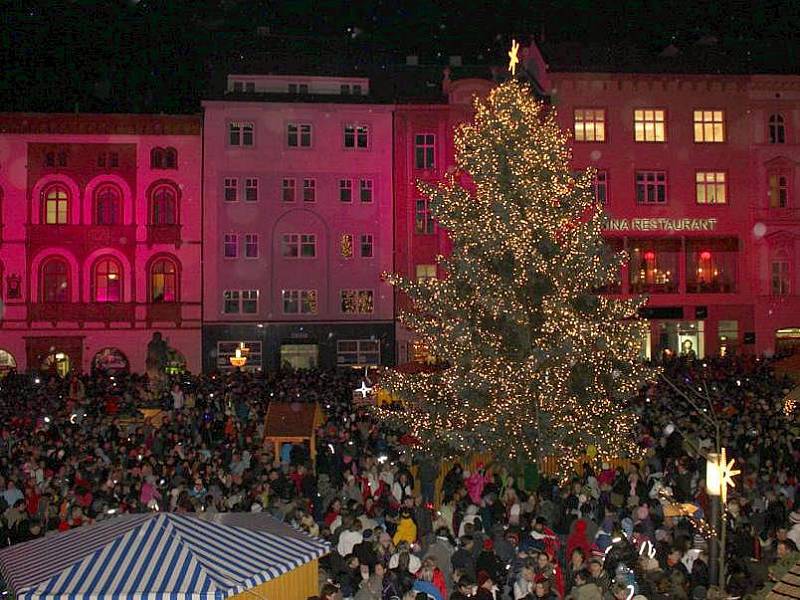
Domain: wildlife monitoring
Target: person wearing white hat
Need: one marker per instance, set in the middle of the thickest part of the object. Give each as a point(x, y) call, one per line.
point(794, 532)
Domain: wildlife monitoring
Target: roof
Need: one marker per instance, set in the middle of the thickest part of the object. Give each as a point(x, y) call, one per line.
point(788, 587)
point(99, 123)
point(291, 420)
point(154, 556)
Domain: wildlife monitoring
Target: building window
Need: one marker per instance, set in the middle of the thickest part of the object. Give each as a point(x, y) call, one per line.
point(649, 125)
point(227, 350)
point(241, 133)
point(101, 159)
point(590, 125)
point(298, 135)
point(367, 246)
point(164, 206)
point(238, 86)
point(309, 190)
point(356, 136)
point(357, 302)
point(425, 151)
point(294, 245)
point(56, 206)
point(107, 206)
point(709, 126)
point(62, 159)
point(113, 160)
point(50, 159)
point(156, 158)
point(780, 278)
point(303, 302)
point(425, 272)
point(344, 89)
point(777, 129)
point(251, 189)
point(55, 281)
point(727, 337)
point(358, 352)
point(711, 187)
point(287, 189)
point(295, 88)
point(651, 187)
point(345, 190)
point(107, 281)
point(346, 245)
point(170, 158)
point(601, 187)
point(163, 281)
point(251, 245)
point(778, 190)
point(365, 189)
point(423, 220)
point(231, 189)
point(308, 245)
point(653, 266)
point(230, 245)
point(250, 87)
point(235, 302)
point(356, 89)
point(711, 266)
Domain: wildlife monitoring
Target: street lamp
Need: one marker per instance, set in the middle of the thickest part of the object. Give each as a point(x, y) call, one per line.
point(719, 475)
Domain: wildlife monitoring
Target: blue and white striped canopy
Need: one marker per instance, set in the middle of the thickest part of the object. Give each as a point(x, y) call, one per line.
point(156, 556)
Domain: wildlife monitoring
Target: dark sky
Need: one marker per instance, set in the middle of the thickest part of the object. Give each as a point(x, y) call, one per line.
point(161, 55)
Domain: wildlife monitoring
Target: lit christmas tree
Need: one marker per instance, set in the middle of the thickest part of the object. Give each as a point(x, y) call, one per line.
point(537, 363)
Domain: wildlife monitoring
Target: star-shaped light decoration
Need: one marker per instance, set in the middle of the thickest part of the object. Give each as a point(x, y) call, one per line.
point(726, 475)
point(513, 57)
point(364, 389)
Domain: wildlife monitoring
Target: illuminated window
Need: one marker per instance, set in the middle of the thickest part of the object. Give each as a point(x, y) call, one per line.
point(107, 206)
point(777, 129)
point(55, 281)
point(365, 189)
point(778, 189)
point(230, 245)
point(251, 189)
point(425, 151)
point(358, 352)
point(423, 220)
point(241, 133)
point(425, 272)
point(367, 246)
point(56, 206)
point(298, 135)
point(649, 125)
point(287, 189)
point(601, 187)
point(590, 125)
point(780, 278)
point(164, 209)
point(163, 281)
point(727, 337)
point(346, 245)
point(651, 187)
point(227, 350)
point(251, 245)
point(711, 265)
point(231, 189)
point(309, 190)
point(345, 190)
point(357, 302)
point(711, 187)
point(653, 266)
point(709, 126)
point(107, 281)
point(302, 302)
point(356, 136)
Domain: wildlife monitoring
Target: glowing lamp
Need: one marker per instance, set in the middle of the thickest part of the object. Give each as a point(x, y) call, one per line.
point(649, 255)
point(713, 475)
point(238, 360)
point(60, 356)
point(705, 255)
point(720, 474)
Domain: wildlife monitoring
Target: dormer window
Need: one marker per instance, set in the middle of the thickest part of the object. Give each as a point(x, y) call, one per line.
point(298, 88)
point(238, 86)
point(250, 87)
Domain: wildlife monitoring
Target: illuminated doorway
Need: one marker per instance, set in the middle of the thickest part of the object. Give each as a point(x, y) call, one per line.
point(56, 362)
point(299, 356)
point(787, 340)
point(685, 339)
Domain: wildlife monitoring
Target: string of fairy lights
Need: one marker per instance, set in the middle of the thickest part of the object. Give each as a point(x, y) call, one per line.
point(538, 363)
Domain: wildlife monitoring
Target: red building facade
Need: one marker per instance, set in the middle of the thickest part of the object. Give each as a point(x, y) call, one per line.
point(100, 240)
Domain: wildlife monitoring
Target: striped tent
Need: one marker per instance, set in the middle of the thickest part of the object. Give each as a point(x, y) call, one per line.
point(158, 556)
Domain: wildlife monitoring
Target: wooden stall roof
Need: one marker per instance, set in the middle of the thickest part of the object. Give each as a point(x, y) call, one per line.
point(788, 587)
point(291, 420)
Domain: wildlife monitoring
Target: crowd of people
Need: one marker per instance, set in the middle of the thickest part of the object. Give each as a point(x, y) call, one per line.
point(73, 451)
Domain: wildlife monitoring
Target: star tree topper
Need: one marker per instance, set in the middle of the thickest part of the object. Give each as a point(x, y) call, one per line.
point(726, 474)
point(513, 56)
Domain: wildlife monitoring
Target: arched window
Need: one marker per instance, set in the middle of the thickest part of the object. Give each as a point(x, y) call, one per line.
point(777, 129)
point(107, 280)
point(56, 205)
point(163, 281)
point(170, 158)
point(164, 206)
point(157, 158)
point(107, 206)
point(55, 281)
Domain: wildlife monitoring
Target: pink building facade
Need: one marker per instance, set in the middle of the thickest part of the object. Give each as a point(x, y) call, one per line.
point(100, 232)
point(298, 224)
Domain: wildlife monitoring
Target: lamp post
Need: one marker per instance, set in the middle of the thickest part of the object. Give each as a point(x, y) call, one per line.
point(713, 489)
point(719, 475)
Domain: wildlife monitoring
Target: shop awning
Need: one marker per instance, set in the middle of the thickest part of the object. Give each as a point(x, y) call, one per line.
point(157, 556)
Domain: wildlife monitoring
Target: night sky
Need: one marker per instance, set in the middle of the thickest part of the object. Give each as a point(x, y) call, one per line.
point(164, 55)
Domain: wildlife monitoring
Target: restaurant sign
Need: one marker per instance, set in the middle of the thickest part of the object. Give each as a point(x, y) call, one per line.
point(660, 224)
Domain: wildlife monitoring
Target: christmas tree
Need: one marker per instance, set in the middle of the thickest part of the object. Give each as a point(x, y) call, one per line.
point(536, 361)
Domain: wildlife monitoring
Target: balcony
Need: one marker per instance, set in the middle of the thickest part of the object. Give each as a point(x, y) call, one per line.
point(166, 311)
point(164, 234)
point(87, 237)
point(104, 312)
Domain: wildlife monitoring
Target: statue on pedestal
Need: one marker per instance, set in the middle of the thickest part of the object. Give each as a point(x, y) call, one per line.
point(156, 359)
